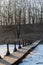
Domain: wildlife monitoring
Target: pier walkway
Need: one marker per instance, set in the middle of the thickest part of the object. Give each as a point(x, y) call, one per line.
point(17, 56)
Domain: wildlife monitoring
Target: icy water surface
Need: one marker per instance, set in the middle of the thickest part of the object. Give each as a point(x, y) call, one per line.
point(35, 57)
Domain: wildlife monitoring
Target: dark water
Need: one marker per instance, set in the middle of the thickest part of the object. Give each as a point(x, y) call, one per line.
point(35, 57)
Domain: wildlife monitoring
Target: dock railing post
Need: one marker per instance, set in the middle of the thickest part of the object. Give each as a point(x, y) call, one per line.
point(8, 53)
point(19, 45)
point(0, 57)
point(15, 49)
point(23, 43)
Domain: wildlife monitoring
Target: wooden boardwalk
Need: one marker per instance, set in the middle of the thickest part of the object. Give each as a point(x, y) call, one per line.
point(13, 58)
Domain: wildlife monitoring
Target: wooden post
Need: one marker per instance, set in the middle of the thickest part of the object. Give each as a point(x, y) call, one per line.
point(8, 53)
point(19, 45)
point(28, 42)
point(23, 43)
point(0, 57)
point(15, 49)
point(31, 42)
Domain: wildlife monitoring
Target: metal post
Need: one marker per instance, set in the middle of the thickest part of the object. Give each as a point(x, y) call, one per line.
point(8, 53)
point(19, 45)
point(15, 49)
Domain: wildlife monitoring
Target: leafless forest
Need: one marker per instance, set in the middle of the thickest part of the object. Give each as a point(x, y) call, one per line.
point(18, 12)
point(14, 12)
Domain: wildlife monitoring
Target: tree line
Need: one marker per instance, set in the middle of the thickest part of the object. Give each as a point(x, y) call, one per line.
point(26, 11)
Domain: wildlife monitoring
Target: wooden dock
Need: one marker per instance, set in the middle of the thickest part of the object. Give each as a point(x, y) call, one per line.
point(17, 56)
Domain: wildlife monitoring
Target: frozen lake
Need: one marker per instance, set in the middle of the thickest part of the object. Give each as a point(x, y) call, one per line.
point(35, 57)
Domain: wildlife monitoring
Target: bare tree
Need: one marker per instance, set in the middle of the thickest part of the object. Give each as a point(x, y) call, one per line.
point(36, 14)
point(33, 14)
point(0, 16)
point(18, 26)
point(41, 4)
point(29, 11)
point(24, 16)
point(10, 20)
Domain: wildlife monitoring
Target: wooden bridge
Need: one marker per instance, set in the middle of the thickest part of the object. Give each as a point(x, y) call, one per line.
point(18, 55)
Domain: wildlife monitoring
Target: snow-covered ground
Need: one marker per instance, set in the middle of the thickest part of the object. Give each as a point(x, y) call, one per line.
point(3, 49)
point(35, 57)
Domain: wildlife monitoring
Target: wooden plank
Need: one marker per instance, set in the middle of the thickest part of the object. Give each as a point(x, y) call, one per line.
point(2, 64)
point(18, 54)
point(28, 47)
point(22, 50)
point(10, 59)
